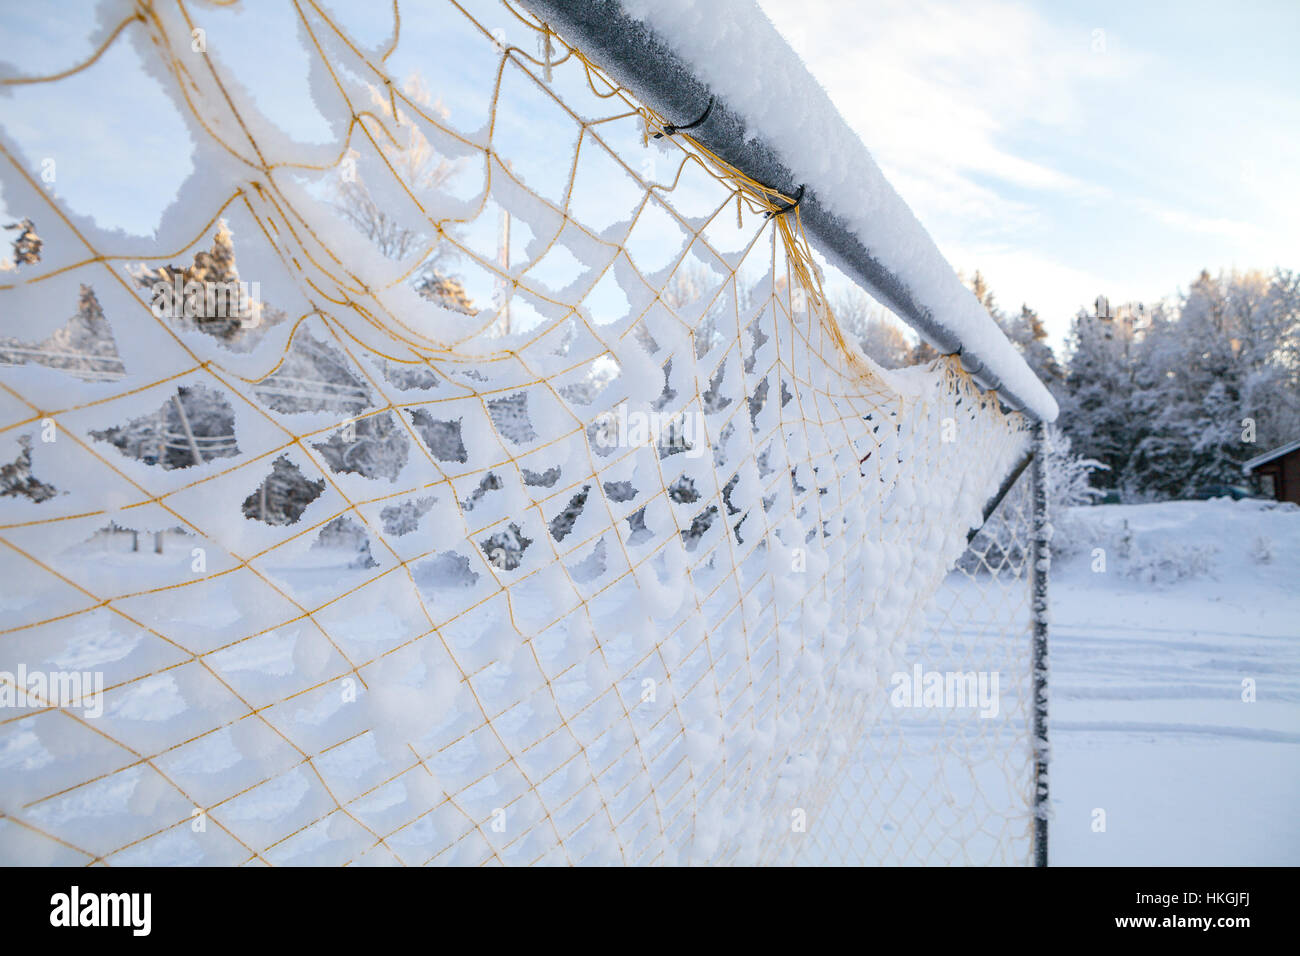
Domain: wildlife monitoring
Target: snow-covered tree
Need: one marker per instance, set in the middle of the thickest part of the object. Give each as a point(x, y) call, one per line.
point(1228, 360)
point(1170, 401)
point(26, 245)
point(230, 316)
point(414, 160)
point(878, 336)
point(1029, 335)
point(1026, 332)
point(1096, 399)
point(83, 346)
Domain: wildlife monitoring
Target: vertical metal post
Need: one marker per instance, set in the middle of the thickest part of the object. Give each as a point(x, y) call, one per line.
point(1039, 571)
point(503, 287)
point(189, 432)
point(503, 261)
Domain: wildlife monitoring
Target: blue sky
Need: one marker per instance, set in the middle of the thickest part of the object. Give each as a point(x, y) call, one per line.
point(122, 150)
point(1064, 149)
point(1067, 149)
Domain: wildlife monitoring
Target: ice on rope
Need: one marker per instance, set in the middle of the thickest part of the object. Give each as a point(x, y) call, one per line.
point(532, 521)
point(724, 42)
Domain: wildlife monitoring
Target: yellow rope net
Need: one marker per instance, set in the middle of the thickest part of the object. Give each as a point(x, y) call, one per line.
point(534, 508)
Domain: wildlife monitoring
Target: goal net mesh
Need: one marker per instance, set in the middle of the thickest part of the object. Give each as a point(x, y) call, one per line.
point(463, 473)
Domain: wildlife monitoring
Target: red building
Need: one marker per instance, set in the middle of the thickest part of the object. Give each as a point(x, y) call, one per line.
point(1277, 472)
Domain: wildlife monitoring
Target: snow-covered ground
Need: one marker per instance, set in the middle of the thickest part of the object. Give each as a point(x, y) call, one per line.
point(1149, 659)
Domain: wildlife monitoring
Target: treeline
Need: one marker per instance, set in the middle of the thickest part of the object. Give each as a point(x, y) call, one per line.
point(1171, 397)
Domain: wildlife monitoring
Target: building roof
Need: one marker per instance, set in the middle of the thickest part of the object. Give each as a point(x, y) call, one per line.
point(1268, 456)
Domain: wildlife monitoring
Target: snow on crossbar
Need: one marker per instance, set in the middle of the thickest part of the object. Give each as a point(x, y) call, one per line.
point(769, 118)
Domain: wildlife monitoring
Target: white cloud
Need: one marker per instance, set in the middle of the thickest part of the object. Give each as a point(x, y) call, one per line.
point(1057, 170)
point(932, 87)
point(1231, 229)
point(935, 90)
point(1053, 289)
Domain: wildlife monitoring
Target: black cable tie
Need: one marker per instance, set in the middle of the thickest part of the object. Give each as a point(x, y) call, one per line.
point(785, 209)
point(671, 128)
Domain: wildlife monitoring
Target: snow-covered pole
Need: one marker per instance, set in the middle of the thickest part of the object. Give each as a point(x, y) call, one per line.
point(644, 63)
point(1040, 568)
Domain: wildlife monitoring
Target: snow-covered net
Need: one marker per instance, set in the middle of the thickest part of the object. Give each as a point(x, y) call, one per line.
point(463, 474)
